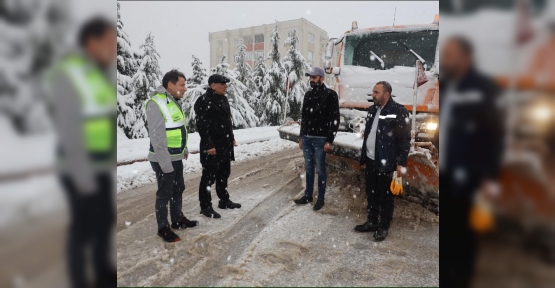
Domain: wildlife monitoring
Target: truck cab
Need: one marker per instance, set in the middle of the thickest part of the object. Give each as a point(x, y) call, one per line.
point(367, 55)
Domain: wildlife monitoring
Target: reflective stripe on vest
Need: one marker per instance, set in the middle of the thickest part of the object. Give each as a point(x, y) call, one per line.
point(175, 121)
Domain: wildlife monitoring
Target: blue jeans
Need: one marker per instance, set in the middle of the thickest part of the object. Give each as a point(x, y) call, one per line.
point(313, 147)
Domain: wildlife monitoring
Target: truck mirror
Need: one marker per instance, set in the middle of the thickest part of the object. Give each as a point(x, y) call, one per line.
point(327, 66)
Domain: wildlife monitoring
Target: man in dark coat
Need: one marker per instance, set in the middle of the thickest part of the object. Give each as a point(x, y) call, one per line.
point(385, 149)
point(471, 143)
point(319, 124)
point(214, 125)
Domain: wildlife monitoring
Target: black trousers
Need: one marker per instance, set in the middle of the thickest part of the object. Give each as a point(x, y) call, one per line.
point(218, 172)
point(458, 245)
point(170, 189)
point(380, 199)
point(92, 218)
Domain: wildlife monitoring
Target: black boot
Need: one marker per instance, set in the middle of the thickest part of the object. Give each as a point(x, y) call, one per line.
point(167, 234)
point(184, 223)
point(367, 227)
point(303, 200)
point(210, 213)
point(228, 205)
point(319, 204)
point(380, 234)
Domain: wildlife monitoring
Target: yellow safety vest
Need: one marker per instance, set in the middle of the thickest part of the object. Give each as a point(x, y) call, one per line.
point(175, 120)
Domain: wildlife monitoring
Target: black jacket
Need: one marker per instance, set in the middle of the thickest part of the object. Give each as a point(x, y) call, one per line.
point(392, 136)
point(320, 115)
point(474, 136)
point(214, 125)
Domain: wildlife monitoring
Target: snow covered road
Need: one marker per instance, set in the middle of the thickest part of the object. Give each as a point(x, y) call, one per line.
point(270, 240)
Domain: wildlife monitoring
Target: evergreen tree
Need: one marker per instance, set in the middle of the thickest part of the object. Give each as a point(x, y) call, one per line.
point(146, 79)
point(243, 68)
point(273, 92)
point(295, 66)
point(126, 67)
point(242, 114)
point(125, 62)
point(199, 73)
point(256, 83)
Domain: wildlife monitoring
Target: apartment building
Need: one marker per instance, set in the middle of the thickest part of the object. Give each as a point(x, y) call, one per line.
point(312, 42)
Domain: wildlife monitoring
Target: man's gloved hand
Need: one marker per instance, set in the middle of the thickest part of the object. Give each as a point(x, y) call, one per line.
point(396, 186)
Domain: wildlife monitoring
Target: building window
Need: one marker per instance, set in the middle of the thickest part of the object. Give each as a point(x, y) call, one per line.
point(247, 40)
point(310, 37)
point(310, 56)
point(258, 53)
point(220, 44)
point(259, 38)
point(235, 42)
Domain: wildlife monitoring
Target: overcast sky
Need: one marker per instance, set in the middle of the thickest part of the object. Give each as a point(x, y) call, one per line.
point(181, 29)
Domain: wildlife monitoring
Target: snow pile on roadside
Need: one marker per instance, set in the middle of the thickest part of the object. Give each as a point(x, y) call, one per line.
point(133, 149)
point(343, 139)
point(140, 173)
point(22, 201)
point(15, 150)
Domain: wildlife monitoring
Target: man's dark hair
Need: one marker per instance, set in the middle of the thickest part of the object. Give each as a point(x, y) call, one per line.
point(386, 86)
point(172, 76)
point(464, 44)
point(94, 28)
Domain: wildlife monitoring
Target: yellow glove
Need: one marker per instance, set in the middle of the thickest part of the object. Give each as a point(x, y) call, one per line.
point(481, 215)
point(396, 186)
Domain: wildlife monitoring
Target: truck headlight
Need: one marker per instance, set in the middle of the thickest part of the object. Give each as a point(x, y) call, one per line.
point(541, 113)
point(431, 126)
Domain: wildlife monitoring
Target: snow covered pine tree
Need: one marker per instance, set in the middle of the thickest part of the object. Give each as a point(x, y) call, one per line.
point(145, 80)
point(126, 66)
point(273, 89)
point(199, 73)
point(196, 86)
point(295, 66)
point(255, 83)
point(241, 112)
point(243, 71)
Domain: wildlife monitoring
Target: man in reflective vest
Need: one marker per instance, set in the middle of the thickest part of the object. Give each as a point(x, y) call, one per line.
point(168, 146)
point(82, 97)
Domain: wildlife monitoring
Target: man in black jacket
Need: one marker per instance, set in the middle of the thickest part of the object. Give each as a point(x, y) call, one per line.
point(385, 149)
point(471, 149)
point(319, 123)
point(214, 125)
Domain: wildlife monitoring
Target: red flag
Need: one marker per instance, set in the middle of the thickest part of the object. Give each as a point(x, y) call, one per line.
point(421, 78)
point(287, 83)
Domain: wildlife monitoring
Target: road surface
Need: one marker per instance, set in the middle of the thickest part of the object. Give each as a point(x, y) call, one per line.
point(270, 240)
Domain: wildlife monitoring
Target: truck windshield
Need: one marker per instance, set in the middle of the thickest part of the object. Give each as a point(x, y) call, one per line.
point(388, 47)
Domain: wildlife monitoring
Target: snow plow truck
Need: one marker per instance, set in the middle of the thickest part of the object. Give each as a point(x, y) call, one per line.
point(364, 56)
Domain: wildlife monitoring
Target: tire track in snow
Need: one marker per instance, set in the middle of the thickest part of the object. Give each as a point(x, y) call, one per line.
point(203, 254)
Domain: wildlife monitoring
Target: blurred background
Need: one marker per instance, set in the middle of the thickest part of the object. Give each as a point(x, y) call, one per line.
point(34, 214)
point(514, 46)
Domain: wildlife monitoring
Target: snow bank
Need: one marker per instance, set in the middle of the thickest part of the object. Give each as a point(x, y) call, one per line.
point(21, 201)
point(343, 139)
point(140, 173)
point(14, 150)
point(134, 149)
